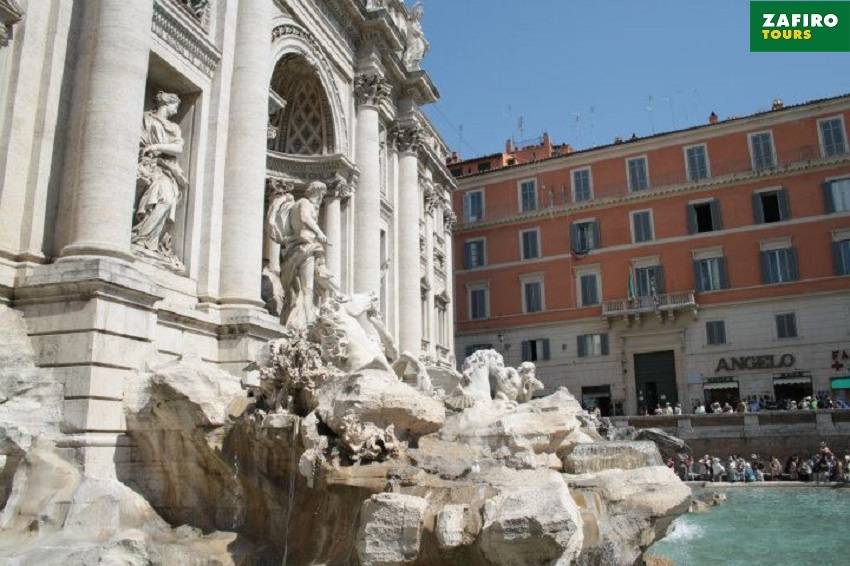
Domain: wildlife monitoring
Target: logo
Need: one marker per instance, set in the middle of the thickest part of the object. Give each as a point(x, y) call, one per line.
point(799, 26)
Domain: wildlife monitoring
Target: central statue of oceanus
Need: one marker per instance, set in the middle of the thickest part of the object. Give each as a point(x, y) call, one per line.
point(304, 276)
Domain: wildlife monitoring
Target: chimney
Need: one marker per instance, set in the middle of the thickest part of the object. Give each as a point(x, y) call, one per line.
point(777, 104)
point(509, 146)
point(712, 118)
point(546, 141)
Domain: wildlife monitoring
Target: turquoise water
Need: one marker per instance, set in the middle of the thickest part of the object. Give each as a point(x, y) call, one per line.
point(770, 526)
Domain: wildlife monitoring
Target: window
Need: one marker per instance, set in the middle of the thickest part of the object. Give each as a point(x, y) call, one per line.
point(457, 172)
point(715, 332)
point(832, 137)
point(584, 236)
point(528, 195)
point(696, 162)
point(530, 240)
point(761, 151)
point(786, 325)
point(478, 303)
point(837, 195)
point(771, 206)
point(473, 206)
point(472, 348)
point(534, 350)
point(592, 345)
point(485, 166)
point(473, 253)
point(642, 226)
point(588, 289)
point(710, 274)
point(779, 265)
point(841, 256)
point(649, 281)
point(582, 189)
point(704, 217)
point(638, 174)
point(532, 296)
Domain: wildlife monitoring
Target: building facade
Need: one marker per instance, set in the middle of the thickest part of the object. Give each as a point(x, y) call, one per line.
point(704, 264)
point(143, 144)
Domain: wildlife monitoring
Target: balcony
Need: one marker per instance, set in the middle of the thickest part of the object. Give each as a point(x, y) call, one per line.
point(665, 307)
point(555, 201)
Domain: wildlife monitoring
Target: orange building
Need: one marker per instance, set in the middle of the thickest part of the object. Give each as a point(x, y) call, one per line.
point(709, 263)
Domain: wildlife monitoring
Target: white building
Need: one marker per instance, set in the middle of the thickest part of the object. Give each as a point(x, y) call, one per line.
point(112, 277)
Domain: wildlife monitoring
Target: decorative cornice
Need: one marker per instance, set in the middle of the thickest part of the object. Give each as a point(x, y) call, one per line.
point(371, 89)
point(408, 138)
point(176, 27)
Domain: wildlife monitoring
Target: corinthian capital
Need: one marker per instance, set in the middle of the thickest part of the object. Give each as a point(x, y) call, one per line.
point(371, 89)
point(408, 137)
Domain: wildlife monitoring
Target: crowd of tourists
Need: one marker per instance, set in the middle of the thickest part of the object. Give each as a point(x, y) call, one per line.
point(823, 466)
point(753, 404)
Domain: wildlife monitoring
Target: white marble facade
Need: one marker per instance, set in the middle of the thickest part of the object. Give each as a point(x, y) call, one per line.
point(141, 144)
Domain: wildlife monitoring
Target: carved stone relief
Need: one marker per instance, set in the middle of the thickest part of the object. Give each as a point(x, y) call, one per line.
point(371, 89)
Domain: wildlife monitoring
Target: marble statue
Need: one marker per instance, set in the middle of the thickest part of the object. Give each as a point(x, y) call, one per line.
point(417, 45)
point(367, 442)
point(485, 377)
point(305, 279)
point(162, 182)
point(353, 335)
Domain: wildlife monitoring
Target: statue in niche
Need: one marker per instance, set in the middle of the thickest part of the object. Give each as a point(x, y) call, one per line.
point(162, 182)
point(417, 45)
point(304, 276)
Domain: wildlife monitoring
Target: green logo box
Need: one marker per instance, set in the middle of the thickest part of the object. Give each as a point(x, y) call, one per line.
point(799, 26)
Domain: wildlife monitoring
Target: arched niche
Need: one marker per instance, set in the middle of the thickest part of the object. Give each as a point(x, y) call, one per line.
point(303, 79)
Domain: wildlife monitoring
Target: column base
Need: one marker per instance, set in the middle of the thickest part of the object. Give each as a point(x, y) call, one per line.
point(96, 249)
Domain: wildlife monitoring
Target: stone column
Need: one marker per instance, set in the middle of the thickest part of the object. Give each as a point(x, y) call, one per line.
point(408, 139)
point(370, 89)
point(450, 219)
point(244, 177)
point(431, 201)
point(109, 95)
point(333, 228)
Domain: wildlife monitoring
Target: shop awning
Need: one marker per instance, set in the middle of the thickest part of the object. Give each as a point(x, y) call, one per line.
point(792, 380)
point(841, 382)
point(721, 385)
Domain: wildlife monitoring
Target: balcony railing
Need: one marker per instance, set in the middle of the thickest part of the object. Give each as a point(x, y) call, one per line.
point(664, 306)
point(557, 199)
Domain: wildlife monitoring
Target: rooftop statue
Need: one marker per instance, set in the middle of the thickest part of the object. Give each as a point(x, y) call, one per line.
point(417, 45)
point(161, 180)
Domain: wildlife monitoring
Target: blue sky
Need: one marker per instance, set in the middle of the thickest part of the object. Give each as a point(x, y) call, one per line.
point(585, 70)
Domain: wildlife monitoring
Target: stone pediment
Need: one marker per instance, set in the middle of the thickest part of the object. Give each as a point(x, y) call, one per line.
point(302, 169)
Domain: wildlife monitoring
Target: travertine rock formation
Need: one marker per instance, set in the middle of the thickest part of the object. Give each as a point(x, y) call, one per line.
point(337, 468)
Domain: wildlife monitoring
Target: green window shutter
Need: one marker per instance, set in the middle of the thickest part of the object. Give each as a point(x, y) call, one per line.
point(526, 351)
point(597, 235)
point(829, 202)
point(604, 343)
point(724, 274)
point(659, 279)
point(581, 346)
point(784, 204)
point(837, 260)
point(574, 237)
point(766, 275)
point(691, 213)
point(758, 211)
point(697, 277)
point(716, 219)
point(545, 348)
point(466, 255)
point(793, 265)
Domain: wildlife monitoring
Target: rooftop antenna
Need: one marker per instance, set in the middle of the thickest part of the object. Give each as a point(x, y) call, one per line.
point(459, 137)
point(520, 124)
point(577, 128)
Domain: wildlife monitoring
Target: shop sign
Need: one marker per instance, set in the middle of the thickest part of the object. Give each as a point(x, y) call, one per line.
point(721, 379)
point(755, 362)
